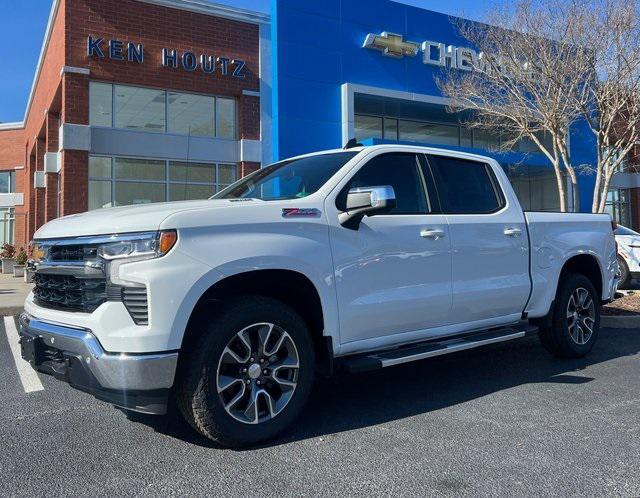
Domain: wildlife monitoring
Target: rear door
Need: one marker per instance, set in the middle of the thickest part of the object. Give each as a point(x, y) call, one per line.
point(490, 250)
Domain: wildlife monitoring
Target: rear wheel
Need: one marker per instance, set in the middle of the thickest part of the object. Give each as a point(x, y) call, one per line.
point(249, 374)
point(576, 318)
point(623, 274)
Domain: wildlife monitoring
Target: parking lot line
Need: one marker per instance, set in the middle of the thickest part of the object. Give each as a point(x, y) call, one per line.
point(28, 376)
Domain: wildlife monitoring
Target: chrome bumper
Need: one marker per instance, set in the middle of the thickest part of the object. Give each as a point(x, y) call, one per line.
point(138, 382)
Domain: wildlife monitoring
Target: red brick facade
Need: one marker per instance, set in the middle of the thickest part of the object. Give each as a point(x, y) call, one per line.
point(62, 96)
point(634, 193)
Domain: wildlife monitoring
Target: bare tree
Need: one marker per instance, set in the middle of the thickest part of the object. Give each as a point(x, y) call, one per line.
point(612, 106)
point(541, 67)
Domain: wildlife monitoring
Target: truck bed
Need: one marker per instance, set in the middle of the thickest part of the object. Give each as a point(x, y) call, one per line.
point(556, 237)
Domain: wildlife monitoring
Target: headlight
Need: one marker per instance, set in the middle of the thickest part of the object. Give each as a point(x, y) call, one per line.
point(146, 245)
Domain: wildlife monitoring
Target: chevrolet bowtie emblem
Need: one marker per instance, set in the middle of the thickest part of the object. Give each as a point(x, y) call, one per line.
point(391, 45)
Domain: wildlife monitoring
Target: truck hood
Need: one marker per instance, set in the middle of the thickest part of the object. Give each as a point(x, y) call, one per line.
point(140, 218)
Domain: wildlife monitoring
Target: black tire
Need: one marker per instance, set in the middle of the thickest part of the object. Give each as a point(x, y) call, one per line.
point(624, 274)
point(557, 338)
point(196, 388)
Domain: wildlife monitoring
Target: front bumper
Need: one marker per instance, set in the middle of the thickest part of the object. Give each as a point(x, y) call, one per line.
point(138, 382)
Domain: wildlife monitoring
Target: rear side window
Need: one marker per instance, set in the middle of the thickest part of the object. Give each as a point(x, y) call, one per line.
point(465, 187)
point(402, 172)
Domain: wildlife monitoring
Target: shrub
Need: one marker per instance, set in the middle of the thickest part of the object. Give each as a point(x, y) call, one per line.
point(22, 257)
point(8, 251)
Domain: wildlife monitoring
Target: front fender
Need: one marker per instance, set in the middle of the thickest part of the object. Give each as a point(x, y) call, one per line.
point(323, 284)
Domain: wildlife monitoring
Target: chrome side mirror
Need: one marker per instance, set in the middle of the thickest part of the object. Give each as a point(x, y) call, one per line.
point(367, 201)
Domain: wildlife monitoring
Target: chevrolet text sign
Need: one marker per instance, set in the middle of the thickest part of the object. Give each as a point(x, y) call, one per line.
point(433, 53)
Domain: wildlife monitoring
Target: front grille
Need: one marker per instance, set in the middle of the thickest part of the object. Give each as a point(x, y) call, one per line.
point(68, 292)
point(71, 276)
point(72, 253)
point(135, 300)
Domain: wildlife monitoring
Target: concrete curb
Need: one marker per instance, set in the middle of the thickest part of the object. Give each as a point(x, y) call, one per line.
point(10, 310)
point(620, 322)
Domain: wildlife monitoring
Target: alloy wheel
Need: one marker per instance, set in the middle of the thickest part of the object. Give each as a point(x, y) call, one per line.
point(581, 316)
point(257, 373)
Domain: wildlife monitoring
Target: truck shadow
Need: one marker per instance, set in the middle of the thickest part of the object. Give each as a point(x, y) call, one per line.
point(348, 402)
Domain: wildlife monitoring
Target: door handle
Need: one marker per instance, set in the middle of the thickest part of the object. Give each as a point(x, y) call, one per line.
point(512, 232)
point(432, 233)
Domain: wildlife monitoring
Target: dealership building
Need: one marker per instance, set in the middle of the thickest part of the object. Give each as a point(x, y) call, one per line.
point(138, 101)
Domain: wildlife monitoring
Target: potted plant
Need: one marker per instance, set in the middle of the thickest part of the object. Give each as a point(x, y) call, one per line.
point(21, 261)
point(7, 255)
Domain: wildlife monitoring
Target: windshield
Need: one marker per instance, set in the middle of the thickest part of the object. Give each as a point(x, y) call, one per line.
point(292, 179)
point(625, 231)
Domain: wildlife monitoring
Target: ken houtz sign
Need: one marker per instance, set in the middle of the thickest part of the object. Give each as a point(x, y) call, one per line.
point(433, 53)
point(188, 61)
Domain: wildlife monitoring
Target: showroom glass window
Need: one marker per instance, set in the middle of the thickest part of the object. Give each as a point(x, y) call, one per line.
point(100, 104)
point(7, 182)
point(7, 215)
point(436, 133)
point(140, 109)
point(152, 110)
point(191, 114)
point(535, 187)
point(618, 206)
point(120, 181)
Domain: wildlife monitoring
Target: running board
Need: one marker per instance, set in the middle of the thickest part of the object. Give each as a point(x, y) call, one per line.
point(437, 347)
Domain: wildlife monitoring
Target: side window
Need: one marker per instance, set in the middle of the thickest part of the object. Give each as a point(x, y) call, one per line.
point(466, 187)
point(399, 170)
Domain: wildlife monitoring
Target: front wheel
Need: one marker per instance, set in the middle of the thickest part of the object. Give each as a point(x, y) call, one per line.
point(576, 318)
point(250, 373)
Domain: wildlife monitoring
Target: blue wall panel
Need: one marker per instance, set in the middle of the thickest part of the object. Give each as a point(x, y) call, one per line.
point(318, 47)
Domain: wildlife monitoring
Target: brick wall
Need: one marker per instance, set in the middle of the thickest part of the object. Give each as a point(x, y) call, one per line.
point(249, 117)
point(51, 193)
point(74, 182)
point(12, 157)
point(247, 167)
point(156, 28)
point(11, 148)
point(65, 99)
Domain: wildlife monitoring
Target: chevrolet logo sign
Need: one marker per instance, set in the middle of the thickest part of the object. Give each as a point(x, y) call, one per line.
point(391, 45)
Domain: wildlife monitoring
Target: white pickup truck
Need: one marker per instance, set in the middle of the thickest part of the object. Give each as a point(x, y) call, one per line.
point(353, 259)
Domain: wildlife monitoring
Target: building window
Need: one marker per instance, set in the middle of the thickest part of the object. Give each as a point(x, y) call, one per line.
point(225, 118)
point(417, 131)
point(368, 127)
point(535, 187)
point(436, 133)
point(7, 182)
point(191, 114)
point(618, 206)
point(120, 181)
point(483, 139)
point(100, 104)
point(7, 225)
point(140, 109)
point(150, 110)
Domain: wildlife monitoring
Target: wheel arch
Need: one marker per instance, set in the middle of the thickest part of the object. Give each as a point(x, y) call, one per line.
point(289, 286)
point(587, 265)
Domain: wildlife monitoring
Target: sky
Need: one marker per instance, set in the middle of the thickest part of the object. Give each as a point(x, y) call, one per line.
point(23, 23)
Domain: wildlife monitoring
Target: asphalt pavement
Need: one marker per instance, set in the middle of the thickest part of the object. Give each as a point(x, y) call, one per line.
point(13, 292)
point(505, 420)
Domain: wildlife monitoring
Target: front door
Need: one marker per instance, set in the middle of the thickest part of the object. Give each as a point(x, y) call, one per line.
point(392, 274)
